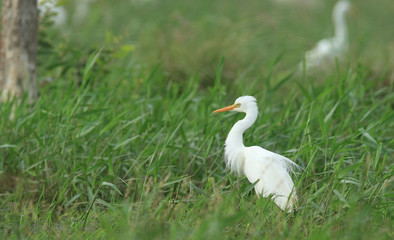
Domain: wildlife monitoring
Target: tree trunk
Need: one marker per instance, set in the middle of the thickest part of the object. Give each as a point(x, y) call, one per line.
point(19, 19)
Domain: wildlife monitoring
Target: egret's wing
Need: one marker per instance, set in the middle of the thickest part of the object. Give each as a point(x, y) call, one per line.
point(272, 171)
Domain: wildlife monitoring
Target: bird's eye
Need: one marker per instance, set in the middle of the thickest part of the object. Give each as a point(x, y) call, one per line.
point(237, 105)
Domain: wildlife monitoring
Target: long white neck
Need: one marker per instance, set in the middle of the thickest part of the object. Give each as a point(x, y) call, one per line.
point(234, 143)
point(234, 138)
point(340, 25)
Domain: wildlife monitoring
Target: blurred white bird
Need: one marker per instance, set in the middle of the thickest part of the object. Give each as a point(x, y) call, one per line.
point(326, 50)
point(271, 170)
point(58, 14)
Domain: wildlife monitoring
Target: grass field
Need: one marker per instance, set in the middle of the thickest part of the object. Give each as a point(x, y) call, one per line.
point(122, 143)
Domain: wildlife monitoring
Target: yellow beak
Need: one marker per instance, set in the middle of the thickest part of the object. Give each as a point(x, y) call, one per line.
point(228, 108)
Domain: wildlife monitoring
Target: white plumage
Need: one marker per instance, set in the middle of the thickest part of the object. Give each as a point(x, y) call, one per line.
point(326, 50)
point(58, 14)
point(270, 169)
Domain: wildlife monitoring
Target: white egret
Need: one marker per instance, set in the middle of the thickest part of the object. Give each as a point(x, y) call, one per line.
point(271, 170)
point(58, 14)
point(326, 50)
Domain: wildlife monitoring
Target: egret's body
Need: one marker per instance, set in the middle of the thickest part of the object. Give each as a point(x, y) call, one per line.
point(326, 50)
point(58, 14)
point(270, 169)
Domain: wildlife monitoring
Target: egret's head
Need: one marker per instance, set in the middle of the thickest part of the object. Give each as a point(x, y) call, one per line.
point(242, 104)
point(341, 7)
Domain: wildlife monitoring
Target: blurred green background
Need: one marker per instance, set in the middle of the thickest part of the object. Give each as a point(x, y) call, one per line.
point(190, 37)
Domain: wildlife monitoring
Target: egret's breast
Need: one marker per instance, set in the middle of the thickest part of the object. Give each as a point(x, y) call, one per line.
point(235, 160)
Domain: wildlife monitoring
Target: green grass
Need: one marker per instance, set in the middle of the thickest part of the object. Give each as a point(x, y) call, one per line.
point(122, 146)
point(190, 38)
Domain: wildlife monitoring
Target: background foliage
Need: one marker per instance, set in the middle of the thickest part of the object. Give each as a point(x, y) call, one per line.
point(122, 142)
